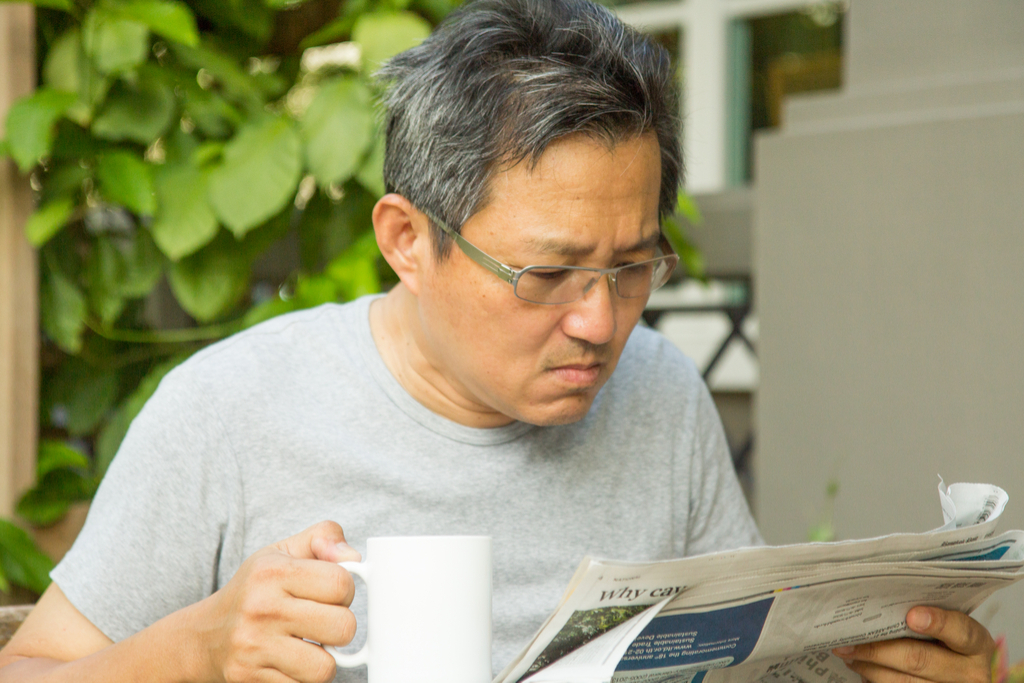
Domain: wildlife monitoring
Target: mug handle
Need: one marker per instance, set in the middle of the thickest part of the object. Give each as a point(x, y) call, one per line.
point(343, 659)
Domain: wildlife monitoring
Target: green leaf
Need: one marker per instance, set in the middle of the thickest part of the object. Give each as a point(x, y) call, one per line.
point(823, 532)
point(258, 176)
point(84, 392)
point(179, 146)
point(211, 282)
point(64, 181)
point(127, 180)
point(435, 10)
point(62, 311)
point(114, 44)
point(67, 69)
point(213, 115)
point(110, 437)
point(43, 509)
point(338, 129)
point(30, 124)
point(689, 209)
point(253, 18)
point(53, 496)
point(371, 173)
point(74, 144)
point(327, 228)
point(207, 153)
point(172, 20)
point(48, 220)
point(354, 272)
point(65, 5)
point(382, 35)
point(54, 455)
point(5, 151)
point(352, 217)
point(331, 33)
point(256, 243)
point(143, 266)
point(22, 561)
point(689, 254)
point(61, 68)
point(340, 28)
point(140, 113)
point(314, 290)
point(312, 230)
point(236, 83)
point(104, 271)
point(185, 222)
point(270, 85)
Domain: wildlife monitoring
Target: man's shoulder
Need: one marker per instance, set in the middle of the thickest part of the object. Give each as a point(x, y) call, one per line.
point(330, 325)
point(287, 346)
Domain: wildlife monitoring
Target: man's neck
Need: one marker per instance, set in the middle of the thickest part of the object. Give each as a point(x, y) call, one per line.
point(394, 323)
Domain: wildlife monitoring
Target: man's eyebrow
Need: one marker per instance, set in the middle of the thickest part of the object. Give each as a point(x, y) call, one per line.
point(570, 250)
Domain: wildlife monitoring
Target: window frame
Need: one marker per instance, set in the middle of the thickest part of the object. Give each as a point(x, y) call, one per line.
point(709, 109)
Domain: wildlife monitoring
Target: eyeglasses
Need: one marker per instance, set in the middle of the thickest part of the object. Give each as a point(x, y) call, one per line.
point(564, 284)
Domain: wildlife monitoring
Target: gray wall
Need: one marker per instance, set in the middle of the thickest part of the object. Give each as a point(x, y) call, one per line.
point(889, 266)
point(724, 236)
point(896, 42)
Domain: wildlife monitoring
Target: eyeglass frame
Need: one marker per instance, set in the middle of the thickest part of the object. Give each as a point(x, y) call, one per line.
point(511, 275)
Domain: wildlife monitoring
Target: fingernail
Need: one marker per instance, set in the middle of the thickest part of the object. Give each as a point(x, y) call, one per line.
point(348, 551)
point(844, 651)
point(919, 619)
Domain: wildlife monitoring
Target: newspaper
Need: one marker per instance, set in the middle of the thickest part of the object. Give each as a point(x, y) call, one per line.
point(759, 615)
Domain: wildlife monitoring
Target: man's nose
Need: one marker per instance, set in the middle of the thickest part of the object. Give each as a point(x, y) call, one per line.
point(593, 317)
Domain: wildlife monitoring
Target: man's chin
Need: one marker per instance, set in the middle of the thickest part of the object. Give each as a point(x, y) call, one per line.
point(561, 412)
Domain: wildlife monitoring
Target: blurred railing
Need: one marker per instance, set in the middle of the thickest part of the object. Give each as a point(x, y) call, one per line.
point(713, 324)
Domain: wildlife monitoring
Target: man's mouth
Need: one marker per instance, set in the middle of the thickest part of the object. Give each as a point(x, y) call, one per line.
point(579, 374)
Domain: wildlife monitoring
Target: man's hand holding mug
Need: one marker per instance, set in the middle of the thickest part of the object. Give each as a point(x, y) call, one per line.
point(257, 627)
point(429, 611)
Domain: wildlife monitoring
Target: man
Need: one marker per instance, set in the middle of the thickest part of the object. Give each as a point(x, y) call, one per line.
point(477, 397)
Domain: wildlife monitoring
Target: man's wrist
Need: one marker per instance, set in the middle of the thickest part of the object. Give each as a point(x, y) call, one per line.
point(183, 646)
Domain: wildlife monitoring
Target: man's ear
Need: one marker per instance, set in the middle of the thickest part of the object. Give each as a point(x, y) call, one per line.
point(403, 236)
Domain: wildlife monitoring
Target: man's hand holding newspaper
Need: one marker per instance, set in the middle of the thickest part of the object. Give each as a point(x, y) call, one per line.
point(962, 654)
point(887, 610)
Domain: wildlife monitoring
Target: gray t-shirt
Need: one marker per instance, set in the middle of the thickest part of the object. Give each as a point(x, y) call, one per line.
point(299, 420)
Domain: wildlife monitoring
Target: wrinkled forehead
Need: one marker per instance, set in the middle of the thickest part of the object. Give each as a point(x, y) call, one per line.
point(582, 197)
point(584, 167)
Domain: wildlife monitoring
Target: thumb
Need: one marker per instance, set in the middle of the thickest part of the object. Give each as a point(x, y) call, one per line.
point(323, 541)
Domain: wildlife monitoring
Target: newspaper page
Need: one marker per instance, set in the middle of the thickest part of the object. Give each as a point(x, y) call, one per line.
point(772, 613)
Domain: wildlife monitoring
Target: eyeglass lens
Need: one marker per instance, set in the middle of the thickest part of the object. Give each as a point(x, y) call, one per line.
point(564, 285)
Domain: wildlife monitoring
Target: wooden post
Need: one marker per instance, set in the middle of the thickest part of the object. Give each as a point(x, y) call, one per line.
point(19, 318)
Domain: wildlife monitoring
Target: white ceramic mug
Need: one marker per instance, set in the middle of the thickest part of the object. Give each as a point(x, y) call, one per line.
point(428, 610)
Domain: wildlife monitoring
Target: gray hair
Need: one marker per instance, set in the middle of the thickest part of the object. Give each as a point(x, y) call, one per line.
point(500, 80)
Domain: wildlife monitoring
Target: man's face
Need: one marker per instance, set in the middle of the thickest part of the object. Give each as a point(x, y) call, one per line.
point(584, 204)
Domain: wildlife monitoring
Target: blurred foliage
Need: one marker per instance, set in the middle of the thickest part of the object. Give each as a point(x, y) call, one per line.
point(676, 233)
point(824, 530)
point(190, 143)
point(1002, 672)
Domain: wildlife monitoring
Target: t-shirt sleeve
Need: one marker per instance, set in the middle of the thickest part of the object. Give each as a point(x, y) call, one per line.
point(154, 535)
point(717, 516)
